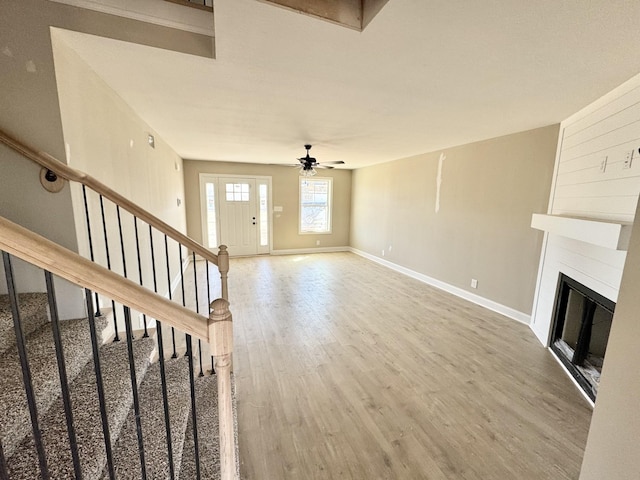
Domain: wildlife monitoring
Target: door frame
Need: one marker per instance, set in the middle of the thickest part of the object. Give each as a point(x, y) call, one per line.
point(214, 178)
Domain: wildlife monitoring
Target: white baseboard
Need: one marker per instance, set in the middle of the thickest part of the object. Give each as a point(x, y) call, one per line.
point(304, 251)
point(459, 292)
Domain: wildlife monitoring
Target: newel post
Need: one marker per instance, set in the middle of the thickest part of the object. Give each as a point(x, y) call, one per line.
point(221, 341)
point(223, 268)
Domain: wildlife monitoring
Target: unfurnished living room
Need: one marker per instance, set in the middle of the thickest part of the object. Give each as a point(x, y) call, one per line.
point(293, 239)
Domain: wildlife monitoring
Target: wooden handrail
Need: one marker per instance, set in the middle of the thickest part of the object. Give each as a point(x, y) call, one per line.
point(68, 173)
point(66, 264)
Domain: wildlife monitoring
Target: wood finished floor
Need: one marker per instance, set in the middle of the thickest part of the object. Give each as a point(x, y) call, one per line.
point(348, 370)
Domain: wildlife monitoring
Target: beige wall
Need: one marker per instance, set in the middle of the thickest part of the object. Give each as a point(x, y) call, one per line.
point(482, 230)
point(284, 194)
point(613, 449)
point(24, 201)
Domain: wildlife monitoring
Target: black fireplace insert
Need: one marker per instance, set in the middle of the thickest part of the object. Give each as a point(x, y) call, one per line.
point(582, 322)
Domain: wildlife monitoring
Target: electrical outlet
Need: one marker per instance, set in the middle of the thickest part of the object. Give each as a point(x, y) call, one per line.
point(383, 252)
point(317, 242)
point(628, 159)
point(474, 283)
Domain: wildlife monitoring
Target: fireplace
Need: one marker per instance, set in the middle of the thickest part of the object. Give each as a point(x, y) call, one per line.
point(582, 322)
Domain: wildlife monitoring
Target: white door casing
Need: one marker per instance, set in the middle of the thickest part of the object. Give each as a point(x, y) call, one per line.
point(241, 218)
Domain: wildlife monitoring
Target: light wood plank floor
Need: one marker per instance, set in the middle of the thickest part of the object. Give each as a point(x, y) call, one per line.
point(348, 370)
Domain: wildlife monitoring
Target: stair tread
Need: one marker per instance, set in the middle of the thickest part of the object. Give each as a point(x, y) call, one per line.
point(86, 414)
point(14, 412)
point(33, 313)
point(208, 439)
point(127, 459)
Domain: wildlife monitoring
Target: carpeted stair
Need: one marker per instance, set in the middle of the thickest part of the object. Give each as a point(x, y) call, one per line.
point(86, 416)
point(206, 398)
point(14, 411)
point(33, 307)
point(127, 458)
point(15, 426)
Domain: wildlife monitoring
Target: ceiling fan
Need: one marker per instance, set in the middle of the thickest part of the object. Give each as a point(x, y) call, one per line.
point(308, 164)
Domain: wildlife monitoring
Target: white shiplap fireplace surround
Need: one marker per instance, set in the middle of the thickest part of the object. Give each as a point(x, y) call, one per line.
point(593, 200)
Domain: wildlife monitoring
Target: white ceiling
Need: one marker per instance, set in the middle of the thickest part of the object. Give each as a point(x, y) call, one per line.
point(424, 75)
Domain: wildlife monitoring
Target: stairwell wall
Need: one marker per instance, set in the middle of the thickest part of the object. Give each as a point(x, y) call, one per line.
point(30, 112)
point(106, 139)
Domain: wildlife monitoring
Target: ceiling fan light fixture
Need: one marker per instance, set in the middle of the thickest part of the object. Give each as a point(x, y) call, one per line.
point(307, 172)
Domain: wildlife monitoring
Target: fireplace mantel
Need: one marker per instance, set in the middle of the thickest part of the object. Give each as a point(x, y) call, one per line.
point(613, 235)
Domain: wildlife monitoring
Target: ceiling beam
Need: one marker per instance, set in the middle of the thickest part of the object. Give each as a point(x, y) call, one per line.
point(355, 14)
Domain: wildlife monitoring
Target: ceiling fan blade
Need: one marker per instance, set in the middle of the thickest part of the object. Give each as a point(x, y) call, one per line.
point(322, 166)
point(338, 162)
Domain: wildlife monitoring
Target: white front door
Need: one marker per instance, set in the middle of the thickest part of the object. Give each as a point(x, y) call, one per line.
point(236, 213)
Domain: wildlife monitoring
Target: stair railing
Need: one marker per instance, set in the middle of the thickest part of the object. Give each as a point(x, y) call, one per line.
point(159, 249)
point(216, 330)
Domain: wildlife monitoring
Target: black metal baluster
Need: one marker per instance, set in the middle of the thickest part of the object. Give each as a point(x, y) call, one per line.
point(173, 340)
point(163, 378)
point(184, 299)
point(95, 348)
point(173, 331)
point(106, 248)
point(206, 262)
point(144, 317)
point(201, 374)
point(124, 259)
point(194, 415)
point(62, 372)
point(86, 211)
point(189, 355)
point(26, 371)
point(195, 287)
point(195, 281)
point(165, 401)
point(134, 390)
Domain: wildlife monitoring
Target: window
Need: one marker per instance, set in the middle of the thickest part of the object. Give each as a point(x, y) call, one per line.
point(237, 192)
point(315, 205)
point(264, 214)
point(212, 240)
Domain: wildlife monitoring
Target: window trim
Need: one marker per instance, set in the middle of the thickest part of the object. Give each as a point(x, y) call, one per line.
point(329, 202)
